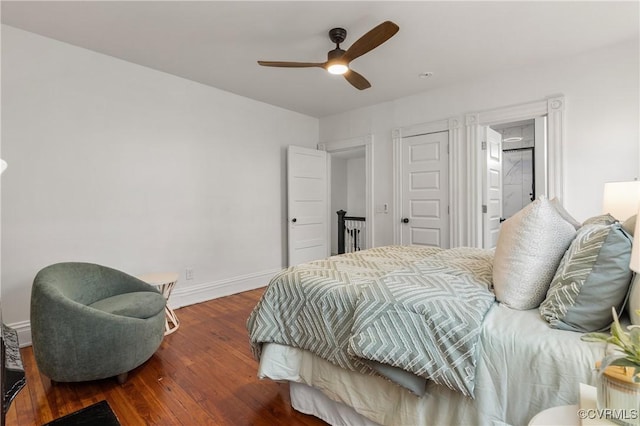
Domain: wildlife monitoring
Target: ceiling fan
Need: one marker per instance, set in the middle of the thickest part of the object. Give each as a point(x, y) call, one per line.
point(338, 60)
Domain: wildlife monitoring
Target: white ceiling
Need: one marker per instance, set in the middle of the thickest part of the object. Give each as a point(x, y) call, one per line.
point(218, 42)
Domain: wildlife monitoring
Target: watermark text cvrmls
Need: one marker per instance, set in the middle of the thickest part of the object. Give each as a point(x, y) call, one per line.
point(609, 414)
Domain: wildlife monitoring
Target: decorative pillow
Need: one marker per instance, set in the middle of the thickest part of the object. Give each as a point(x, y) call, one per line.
point(603, 219)
point(593, 276)
point(530, 246)
point(564, 213)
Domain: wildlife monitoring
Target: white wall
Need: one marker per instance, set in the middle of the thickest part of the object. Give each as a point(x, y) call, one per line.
point(356, 187)
point(118, 164)
point(601, 90)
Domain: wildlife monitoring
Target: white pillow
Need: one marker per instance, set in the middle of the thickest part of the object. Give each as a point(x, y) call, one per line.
point(530, 246)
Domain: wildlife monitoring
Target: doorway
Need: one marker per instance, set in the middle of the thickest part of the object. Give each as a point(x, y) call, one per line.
point(518, 165)
point(348, 194)
point(518, 181)
point(351, 186)
point(547, 174)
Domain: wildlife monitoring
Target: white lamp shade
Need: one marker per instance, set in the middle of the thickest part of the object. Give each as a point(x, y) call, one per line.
point(633, 303)
point(621, 199)
point(635, 250)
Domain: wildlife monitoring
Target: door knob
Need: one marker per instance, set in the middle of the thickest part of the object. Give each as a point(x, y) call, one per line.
point(294, 220)
point(502, 219)
point(405, 220)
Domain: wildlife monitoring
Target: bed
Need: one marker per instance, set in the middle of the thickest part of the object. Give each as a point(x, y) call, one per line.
point(406, 335)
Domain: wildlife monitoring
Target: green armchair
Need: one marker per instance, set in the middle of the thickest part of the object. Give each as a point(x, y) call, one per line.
point(91, 322)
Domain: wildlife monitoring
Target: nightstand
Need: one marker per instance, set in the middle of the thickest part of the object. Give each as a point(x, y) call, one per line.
point(165, 282)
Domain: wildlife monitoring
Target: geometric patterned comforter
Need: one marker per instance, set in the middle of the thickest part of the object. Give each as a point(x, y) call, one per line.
point(419, 309)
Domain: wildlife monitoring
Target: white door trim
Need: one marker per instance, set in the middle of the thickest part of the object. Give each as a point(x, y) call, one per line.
point(341, 145)
point(553, 109)
point(456, 199)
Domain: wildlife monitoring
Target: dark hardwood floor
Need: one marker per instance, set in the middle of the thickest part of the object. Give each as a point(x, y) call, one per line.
point(203, 374)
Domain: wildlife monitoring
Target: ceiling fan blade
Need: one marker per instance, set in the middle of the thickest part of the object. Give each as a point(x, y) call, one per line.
point(371, 40)
point(291, 64)
point(357, 80)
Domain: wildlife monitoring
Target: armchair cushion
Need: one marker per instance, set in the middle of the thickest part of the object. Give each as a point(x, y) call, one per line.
point(138, 304)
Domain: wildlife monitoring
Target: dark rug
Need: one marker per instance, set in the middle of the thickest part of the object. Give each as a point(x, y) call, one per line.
point(13, 373)
point(98, 414)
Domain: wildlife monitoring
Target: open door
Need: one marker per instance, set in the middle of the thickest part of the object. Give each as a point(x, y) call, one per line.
point(307, 204)
point(492, 187)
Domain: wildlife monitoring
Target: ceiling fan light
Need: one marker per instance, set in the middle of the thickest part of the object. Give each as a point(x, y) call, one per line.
point(337, 68)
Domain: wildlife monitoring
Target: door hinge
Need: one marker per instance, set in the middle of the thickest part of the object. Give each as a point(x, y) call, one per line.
point(484, 208)
point(447, 148)
point(484, 145)
point(448, 210)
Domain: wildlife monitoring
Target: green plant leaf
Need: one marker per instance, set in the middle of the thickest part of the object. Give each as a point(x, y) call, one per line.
point(618, 332)
point(624, 362)
point(626, 342)
point(634, 334)
point(595, 337)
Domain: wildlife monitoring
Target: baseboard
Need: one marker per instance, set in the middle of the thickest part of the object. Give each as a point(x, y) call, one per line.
point(184, 296)
point(189, 295)
point(23, 328)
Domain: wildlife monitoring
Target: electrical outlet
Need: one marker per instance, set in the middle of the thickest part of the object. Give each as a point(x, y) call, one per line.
point(188, 273)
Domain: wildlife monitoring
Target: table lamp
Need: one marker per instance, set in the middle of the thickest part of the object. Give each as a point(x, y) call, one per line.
point(621, 199)
point(634, 265)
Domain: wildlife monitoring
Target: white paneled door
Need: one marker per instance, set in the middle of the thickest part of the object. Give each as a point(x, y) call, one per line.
point(307, 204)
point(492, 187)
point(425, 190)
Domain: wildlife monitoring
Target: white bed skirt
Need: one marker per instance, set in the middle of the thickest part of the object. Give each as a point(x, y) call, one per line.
point(372, 397)
point(309, 400)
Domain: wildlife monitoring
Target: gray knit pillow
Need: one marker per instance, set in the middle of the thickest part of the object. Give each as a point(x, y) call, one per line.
point(530, 246)
point(602, 219)
point(592, 278)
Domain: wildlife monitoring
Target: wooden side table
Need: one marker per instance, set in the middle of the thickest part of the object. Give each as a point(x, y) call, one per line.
point(165, 281)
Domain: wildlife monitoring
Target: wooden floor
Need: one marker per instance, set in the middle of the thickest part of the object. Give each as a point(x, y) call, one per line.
point(203, 374)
